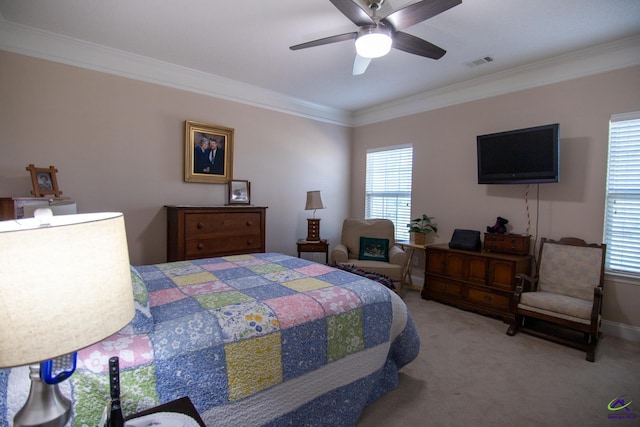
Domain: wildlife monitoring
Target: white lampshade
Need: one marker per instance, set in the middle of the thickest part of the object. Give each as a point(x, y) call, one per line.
point(63, 286)
point(314, 201)
point(373, 42)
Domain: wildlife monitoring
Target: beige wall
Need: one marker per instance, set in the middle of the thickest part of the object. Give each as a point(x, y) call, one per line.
point(118, 146)
point(444, 177)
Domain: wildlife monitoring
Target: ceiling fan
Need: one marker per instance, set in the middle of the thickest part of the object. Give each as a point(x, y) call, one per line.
point(376, 36)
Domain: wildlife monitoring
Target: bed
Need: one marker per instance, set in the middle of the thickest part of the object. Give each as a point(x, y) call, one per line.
point(254, 340)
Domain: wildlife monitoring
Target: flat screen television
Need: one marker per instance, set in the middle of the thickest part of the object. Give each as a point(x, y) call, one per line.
point(522, 156)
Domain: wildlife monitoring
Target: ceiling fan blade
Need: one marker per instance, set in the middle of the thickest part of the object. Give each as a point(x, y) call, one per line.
point(353, 11)
point(412, 44)
point(360, 65)
point(418, 12)
point(326, 40)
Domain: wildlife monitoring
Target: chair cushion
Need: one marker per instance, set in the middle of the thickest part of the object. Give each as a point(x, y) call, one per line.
point(566, 307)
point(570, 270)
point(374, 249)
point(354, 228)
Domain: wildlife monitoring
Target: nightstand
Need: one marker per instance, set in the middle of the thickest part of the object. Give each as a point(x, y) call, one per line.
point(321, 246)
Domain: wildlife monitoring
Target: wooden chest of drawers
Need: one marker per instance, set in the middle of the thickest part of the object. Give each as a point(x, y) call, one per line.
point(211, 231)
point(507, 243)
point(478, 281)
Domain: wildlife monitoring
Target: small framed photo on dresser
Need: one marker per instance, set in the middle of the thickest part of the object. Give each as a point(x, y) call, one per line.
point(44, 181)
point(239, 192)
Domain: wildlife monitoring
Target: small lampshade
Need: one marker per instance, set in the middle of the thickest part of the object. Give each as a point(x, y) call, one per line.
point(314, 201)
point(373, 42)
point(63, 286)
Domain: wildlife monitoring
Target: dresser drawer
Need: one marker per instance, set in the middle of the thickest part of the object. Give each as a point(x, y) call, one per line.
point(489, 299)
point(507, 243)
point(209, 225)
point(204, 248)
point(443, 287)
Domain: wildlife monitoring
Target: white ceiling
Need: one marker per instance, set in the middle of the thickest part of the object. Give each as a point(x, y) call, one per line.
point(248, 40)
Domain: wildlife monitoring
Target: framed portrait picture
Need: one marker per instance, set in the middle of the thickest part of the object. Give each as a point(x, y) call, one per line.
point(44, 181)
point(208, 153)
point(239, 192)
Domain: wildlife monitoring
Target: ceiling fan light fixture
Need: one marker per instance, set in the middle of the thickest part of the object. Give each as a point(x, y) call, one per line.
point(373, 42)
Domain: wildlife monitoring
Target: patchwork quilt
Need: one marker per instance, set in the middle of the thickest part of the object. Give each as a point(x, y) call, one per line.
point(259, 339)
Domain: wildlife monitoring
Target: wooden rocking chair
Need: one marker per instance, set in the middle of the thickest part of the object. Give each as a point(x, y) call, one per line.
point(563, 302)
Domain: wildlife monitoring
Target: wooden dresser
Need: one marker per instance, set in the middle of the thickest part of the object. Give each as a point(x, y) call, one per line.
point(479, 281)
point(211, 231)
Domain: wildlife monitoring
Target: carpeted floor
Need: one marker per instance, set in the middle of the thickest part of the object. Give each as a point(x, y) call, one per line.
point(470, 373)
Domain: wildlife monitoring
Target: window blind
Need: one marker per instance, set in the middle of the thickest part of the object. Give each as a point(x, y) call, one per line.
point(622, 211)
point(388, 187)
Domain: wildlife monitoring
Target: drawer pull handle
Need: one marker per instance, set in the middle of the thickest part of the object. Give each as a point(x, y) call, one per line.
point(487, 298)
point(200, 226)
point(200, 246)
point(249, 223)
point(250, 241)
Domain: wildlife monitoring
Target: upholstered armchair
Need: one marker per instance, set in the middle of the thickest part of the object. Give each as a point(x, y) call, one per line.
point(563, 302)
point(374, 254)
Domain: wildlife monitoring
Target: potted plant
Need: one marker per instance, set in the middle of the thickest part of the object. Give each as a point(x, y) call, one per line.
point(420, 227)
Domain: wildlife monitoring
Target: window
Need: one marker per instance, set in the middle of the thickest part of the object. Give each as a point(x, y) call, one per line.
point(388, 187)
point(622, 211)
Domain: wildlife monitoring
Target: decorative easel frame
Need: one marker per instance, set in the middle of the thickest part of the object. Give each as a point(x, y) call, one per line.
point(44, 181)
point(239, 192)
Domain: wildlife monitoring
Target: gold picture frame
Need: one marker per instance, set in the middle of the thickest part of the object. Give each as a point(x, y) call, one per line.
point(239, 192)
point(208, 153)
point(44, 181)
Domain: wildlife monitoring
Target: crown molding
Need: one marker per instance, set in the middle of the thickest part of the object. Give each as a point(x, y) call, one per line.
point(594, 60)
point(41, 44)
point(67, 50)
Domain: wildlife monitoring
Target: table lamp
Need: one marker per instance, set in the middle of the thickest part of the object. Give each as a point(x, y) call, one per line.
point(65, 284)
point(314, 201)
